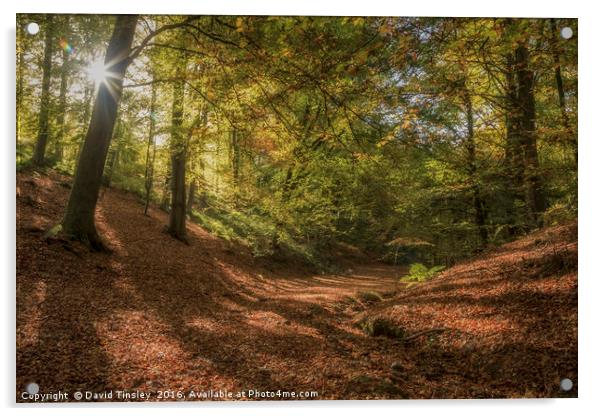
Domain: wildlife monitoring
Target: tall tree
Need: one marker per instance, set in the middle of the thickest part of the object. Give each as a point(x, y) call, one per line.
point(514, 167)
point(177, 213)
point(85, 119)
point(235, 163)
point(151, 144)
point(478, 201)
point(191, 196)
point(522, 154)
point(79, 216)
point(114, 154)
point(62, 105)
point(556, 52)
point(525, 77)
point(43, 125)
point(20, 73)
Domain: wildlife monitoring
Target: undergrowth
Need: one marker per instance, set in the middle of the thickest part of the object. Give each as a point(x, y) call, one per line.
point(256, 231)
point(421, 273)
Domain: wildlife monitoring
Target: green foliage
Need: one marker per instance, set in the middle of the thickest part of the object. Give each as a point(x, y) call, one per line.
point(420, 273)
point(252, 230)
point(54, 231)
point(560, 213)
point(232, 225)
point(306, 132)
point(23, 163)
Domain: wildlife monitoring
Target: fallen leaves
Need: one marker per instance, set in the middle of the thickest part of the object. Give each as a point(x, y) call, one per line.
point(158, 314)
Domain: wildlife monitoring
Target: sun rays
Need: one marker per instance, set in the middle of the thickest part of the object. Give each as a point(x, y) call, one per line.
point(97, 72)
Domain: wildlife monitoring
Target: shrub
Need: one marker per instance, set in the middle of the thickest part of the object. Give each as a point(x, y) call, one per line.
point(420, 273)
point(559, 213)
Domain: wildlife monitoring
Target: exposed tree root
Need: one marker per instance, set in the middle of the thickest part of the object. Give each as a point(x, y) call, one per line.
point(422, 333)
point(90, 239)
point(177, 236)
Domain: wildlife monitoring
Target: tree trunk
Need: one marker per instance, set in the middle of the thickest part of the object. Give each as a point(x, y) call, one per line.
point(522, 164)
point(191, 196)
point(235, 164)
point(85, 120)
point(514, 168)
point(479, 203)
point(177, 214)
point(62, 107)
point(43, 127)
point(20, 73)
point(560, 88)
point(286, 190)
point(235, 156)
point(164, 205)
point(202, 202)
point(150, 157)
point(113, 155)
point(79, 216)
point(535, 196)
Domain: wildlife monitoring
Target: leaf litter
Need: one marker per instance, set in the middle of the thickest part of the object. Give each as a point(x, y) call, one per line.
point(158, 314)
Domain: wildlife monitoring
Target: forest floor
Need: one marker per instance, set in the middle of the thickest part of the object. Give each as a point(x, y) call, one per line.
point(160, 315)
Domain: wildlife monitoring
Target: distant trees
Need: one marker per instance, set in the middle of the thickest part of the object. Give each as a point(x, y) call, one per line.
point(487, 81)
point(20, 92)
point(557, 51)
point(43, 125)
point(62, 104)
point(302, 133)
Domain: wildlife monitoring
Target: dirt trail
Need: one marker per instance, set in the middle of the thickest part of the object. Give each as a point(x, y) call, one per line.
point(157, 314)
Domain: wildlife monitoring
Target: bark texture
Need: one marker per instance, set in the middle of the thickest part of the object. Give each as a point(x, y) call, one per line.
point(79, 216)
point(177, 213)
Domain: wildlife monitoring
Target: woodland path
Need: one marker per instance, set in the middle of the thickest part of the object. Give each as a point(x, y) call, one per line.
point(157, 314)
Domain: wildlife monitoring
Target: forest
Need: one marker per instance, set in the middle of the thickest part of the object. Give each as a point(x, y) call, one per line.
point(373, 195)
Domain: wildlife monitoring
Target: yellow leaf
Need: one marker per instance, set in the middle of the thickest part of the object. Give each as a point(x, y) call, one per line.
point(240, 24)
point(385, 29)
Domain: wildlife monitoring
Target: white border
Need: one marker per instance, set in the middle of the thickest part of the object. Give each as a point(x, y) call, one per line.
point(590, 233)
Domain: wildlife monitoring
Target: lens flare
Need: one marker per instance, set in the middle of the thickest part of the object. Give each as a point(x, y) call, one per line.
point(66, 46)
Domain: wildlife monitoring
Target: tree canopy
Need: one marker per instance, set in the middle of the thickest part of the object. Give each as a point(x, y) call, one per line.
point(298, 135)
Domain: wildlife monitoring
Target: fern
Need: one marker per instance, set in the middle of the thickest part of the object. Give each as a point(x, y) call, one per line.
point(421, 273)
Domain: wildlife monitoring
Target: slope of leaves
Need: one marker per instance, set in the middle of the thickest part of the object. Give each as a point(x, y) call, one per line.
point(158, 314)
point(509, 320)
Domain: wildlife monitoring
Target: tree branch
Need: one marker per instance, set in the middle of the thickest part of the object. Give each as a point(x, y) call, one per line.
point(138, 49)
